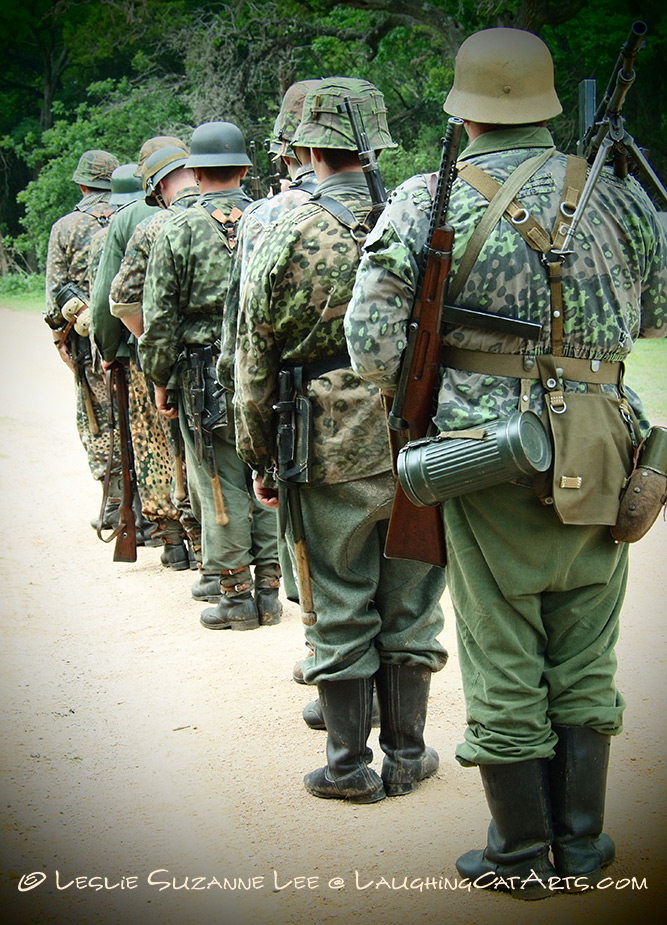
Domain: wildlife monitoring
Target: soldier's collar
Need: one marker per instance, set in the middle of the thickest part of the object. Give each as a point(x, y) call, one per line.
point(521, 136)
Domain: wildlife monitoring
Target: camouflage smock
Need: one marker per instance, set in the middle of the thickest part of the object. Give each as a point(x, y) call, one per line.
point(186, 285)
point(256, 219)
point(295, 293)
point(68, 254)
point(614, 282)
point(127, 287)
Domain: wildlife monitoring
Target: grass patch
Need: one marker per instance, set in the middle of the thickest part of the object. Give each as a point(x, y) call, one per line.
point(644, 369)
point(20, 293)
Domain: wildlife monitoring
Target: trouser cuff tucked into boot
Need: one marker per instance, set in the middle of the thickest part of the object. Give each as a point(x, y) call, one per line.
point(236, 608)
point(267, 588)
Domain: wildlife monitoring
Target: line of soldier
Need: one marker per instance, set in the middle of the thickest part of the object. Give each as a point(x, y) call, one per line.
point(251, 317)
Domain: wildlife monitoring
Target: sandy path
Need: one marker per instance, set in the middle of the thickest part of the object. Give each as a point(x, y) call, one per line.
point(135, 741)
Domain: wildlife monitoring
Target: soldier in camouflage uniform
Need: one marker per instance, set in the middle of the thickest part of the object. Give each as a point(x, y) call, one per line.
point(108, 333)
point(376, 618)
point(537, 601)
point(157, 454)
point(184, 294)
point(67, 261)
point(256, 219)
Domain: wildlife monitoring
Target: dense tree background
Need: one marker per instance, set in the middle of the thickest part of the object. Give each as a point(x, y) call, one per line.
point(110, 73)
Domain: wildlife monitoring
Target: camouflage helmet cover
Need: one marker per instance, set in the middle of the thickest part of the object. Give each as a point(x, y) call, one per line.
point(289, 117)
point(218, 144)
point(323, 126)
point(157, 165)
point(152, 144)
point(95, 168)
point(125, 185)
point(503, 77)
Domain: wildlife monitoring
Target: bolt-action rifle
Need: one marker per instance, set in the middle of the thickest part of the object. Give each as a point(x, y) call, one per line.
point(367, 157)
point(412, 407)
point(255, 178)
point(275, 175)
point(125, 532)
point(606, 135)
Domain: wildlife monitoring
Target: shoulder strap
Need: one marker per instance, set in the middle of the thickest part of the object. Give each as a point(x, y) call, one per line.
point(225, 225)
point(528, 227)
point(500, 197)
point(344, 215)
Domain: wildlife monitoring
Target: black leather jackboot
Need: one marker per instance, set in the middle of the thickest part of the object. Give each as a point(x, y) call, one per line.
point(516, 858)
point(578, 783)
point(403, 692)
point(346, 707)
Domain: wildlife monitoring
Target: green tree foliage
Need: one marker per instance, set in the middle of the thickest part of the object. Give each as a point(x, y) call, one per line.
point(110, 73)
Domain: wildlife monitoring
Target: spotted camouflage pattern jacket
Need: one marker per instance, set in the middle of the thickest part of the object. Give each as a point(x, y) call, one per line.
point(68, 253)
point(127, 288)
point(186, 285)
point(614, 282)
point(255, 222)
point(294, 297)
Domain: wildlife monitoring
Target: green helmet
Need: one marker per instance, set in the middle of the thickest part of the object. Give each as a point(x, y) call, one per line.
point(503, 77)
point(94, 169)
point(323, 126)
point(218, 144)
point(125, 185)
point(289, 117)
point(152, 144)
point(157, 165)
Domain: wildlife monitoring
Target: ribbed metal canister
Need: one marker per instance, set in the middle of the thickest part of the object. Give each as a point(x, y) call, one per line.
point(435, 469)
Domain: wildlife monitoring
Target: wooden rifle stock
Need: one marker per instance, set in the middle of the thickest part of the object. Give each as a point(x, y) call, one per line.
point(418, 532)
point(125, 534)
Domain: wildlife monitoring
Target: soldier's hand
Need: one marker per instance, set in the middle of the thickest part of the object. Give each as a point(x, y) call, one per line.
point(162, 405)
point(63, 350)
point(266, 496)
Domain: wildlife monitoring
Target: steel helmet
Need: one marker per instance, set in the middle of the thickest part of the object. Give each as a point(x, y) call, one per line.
point(323, 126)
point(289, 117)
point(218, 144)
point(503, 77)
point(157, 165)
point(152, 144)
point(125, 185)
point(94, 169)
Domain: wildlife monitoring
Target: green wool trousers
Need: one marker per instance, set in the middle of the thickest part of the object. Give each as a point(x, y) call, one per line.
point(537, 605)
point(369, 609)
point(251, 536)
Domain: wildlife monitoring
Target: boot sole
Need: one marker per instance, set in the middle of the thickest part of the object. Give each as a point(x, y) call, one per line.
point(374, 797)
point(232, 625)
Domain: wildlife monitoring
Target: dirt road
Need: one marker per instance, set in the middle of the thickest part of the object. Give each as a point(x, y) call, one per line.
point(151, 769)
